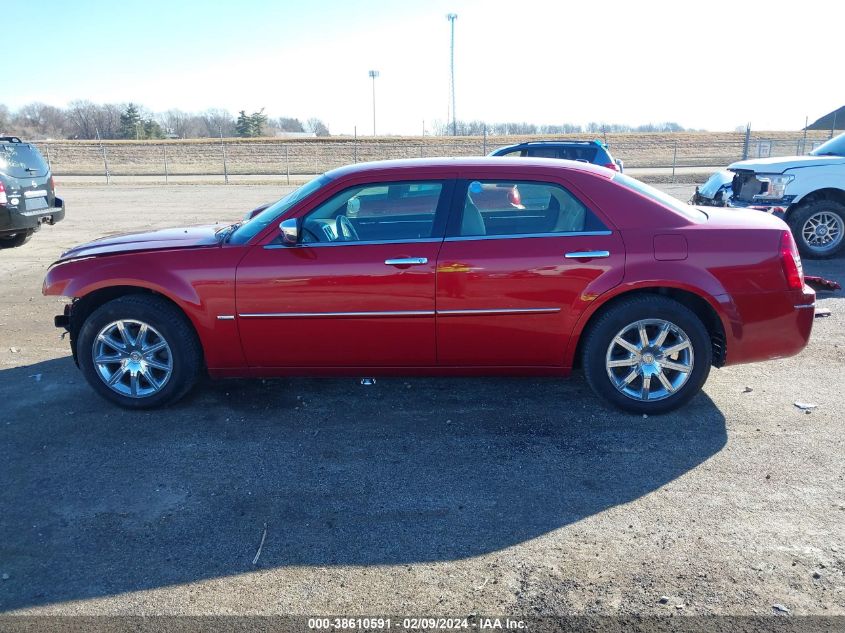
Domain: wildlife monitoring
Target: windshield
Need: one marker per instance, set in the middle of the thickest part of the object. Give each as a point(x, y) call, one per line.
point(660, 197)
point(21, 161)
point(252, 227)
point(833, 147)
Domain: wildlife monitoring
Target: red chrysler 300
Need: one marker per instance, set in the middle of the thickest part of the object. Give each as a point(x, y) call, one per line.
point(442, 266)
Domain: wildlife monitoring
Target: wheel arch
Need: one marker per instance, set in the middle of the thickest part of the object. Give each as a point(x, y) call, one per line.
point(828, 193)
point(83, 306)
point(702, 305)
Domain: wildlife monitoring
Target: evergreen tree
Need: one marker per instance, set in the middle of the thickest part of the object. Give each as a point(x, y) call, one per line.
point(152, 129)
point(243, 126)
point(130, 122)
point(257, 121)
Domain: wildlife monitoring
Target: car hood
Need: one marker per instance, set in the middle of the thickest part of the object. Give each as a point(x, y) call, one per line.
point(779, 164)
point(163, 239)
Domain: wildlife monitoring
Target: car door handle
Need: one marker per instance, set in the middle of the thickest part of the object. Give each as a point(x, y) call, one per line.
point(406, 261)
point(587, 254)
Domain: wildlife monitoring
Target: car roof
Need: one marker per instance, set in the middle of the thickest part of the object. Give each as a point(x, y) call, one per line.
point(518, 165)
point(557, 143)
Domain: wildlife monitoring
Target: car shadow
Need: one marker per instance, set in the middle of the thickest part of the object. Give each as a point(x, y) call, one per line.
point(99, 501)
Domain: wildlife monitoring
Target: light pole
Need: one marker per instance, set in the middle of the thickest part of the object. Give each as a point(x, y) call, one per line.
point(452, 17)
point(373, 74)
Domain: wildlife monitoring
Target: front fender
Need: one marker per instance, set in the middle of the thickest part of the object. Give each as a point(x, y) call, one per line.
point(200, 282)
point(78, 278)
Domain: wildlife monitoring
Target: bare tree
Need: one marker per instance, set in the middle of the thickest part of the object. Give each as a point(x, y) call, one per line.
point(181, 124)
point(41, 120)
point(216, 120)
point(82, 116)
point(5, 118)
point(317, 126)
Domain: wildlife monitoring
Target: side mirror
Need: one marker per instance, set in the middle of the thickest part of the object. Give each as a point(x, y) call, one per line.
point(290, 231)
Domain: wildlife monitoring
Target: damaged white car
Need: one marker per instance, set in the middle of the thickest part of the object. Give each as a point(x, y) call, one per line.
point(808, 192)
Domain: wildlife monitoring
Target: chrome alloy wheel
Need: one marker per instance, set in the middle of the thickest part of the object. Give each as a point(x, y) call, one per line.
point(822, 231)
point(649, 360)
point(132, 358)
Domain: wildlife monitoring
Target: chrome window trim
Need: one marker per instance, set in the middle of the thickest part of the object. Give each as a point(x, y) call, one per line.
point(464, 238)
point(422, 240)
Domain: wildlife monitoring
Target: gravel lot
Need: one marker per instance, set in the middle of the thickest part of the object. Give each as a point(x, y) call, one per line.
point(418, 497)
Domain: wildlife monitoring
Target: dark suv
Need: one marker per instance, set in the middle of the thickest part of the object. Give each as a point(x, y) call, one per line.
point(594, 152)
point(27, 194)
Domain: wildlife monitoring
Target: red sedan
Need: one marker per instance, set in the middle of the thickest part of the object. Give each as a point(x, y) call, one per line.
point(430, 267)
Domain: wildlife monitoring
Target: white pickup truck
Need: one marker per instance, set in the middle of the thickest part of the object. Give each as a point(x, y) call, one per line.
point(808, 192)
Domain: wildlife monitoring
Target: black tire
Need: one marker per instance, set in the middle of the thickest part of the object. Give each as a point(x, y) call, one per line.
point(626, 312)
point(798, 218)
point(184, 350)
point(18, 239)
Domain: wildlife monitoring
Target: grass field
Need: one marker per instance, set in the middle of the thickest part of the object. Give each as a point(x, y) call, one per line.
point(277, 156)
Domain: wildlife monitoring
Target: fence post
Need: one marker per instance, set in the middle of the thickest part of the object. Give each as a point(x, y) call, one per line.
point(47, 151)
point(674, 159)
point(287, 164)
point(804, 142)
point(225, 166)
point(356, 144)
point(316, 156)
point(105, 159)
point(166, 175)
point(484, 147)
point(747, 142)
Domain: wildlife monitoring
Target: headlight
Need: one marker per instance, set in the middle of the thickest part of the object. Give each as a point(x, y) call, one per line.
point(776, 186)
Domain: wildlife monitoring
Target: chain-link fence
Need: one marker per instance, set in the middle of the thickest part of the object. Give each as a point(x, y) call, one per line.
point(286, 158)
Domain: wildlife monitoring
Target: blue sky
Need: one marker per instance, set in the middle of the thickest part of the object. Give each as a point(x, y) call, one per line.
point(545, 62)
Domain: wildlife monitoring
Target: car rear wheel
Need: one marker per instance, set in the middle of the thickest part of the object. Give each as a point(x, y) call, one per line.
point(647, 354)
point(819, 228)
point(18, 239)
point(139, 352)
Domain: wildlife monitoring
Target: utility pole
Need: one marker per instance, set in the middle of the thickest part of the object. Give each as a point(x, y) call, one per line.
point(452, 17)
point(373, 74)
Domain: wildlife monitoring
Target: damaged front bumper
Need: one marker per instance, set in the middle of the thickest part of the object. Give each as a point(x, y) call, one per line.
point(776, 207)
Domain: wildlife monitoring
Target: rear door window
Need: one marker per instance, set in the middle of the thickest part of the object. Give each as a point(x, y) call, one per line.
point(19, 160)
point(520, 208)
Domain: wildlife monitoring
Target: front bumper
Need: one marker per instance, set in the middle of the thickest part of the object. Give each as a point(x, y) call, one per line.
point(16, 220)
point(776, 207)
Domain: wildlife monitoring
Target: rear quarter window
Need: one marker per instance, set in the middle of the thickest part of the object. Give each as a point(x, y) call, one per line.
point(664, 199)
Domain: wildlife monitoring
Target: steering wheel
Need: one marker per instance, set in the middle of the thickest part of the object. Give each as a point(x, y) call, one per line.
point(345, 231)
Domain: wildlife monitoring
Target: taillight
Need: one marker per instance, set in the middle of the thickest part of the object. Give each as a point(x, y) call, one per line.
point(52, 184)
point(3, 199)
point(791, 262)
point(612, 166)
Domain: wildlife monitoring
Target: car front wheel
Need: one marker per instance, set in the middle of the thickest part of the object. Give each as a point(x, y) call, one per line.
point(139, 352)
point(647, 354)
